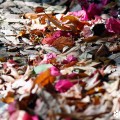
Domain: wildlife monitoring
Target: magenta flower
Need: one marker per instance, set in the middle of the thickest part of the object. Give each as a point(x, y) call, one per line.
point(12, 107)
point(82, 15)
point(22, 115)
point(30, 117)
point(113, 25)
point(54, 71)
point(63, 85)
point(51, 56)
point(71, 58)
point(94, 10)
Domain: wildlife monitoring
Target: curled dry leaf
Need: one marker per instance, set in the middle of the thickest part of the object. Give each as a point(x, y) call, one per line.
point(72, 19)
point(57, 23)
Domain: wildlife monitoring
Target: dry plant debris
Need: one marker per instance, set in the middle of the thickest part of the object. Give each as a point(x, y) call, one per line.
point(68, 70)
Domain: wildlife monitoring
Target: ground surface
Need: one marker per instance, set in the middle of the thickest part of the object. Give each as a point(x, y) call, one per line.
point(11, 46)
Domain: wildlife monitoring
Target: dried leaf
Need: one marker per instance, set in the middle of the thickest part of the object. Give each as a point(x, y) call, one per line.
point(45, 78)
point(57, 23)
point(69, 64)
point(91, 39)
point(39, 9)
point(22, 33)
point(9, 98)
point(102, 51)
point(36, 32)
point(61, 42)
point(72, 19)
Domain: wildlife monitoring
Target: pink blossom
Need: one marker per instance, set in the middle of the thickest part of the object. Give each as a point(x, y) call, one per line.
point(29, 117)
point(82, 15)
point(71, 58)
point(22, 115)
point(94, 10)
point(113, 25)
point(63, 85)
point(54, 71)
point(12, 107)
point(50, 56)
point(71, 76)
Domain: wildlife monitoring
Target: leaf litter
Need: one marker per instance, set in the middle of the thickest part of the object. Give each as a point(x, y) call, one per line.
point(67, 71)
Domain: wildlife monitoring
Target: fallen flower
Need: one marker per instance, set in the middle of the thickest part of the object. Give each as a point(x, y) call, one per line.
point(22, 115)
point(82, 15)
point(55, 71)
point(94, 10)
point(113, 25)
point(63, 85)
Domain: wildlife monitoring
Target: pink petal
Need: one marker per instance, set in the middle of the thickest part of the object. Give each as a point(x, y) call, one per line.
point(63, 85)
point(82, 15)
point(54, 71)
point(113, 25)
point(29, 117)
point(71, 58)
point(12, 107)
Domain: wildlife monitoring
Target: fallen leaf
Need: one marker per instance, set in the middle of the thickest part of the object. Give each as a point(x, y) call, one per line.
point(61, 42)
point(72, 19)
point(57, 23)
point(9, 98)
point(45, 78)
point(39, 9)
point(102, 51)
point(91, 39)
point(36, 32)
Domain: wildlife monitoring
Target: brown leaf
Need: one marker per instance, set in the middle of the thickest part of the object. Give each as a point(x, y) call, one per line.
point(61, 42)
point(22, 33)
point(96, 100)
point(70, 64)
point(57, 23)
point(36, 32)
point(72, 19)
point(44, 78)
point(91, 39)
point(102, 51)
point(39, 9)
point(8, 99)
